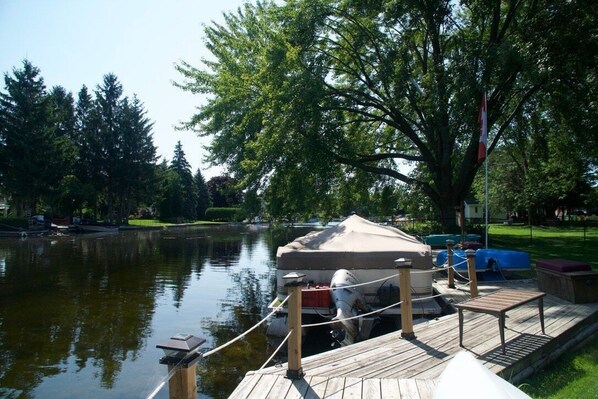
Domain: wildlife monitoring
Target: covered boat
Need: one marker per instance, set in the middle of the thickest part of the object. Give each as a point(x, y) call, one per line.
point(368, 251)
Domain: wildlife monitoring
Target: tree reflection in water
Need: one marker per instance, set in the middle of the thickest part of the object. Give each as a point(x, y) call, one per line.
point(221, 372)
point(80, 316)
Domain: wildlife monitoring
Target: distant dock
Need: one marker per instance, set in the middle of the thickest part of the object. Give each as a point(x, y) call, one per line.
point(392, 367)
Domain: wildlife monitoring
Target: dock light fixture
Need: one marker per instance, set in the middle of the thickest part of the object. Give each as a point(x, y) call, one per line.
point(293, 279)
point(402, 262)
point(181, 348)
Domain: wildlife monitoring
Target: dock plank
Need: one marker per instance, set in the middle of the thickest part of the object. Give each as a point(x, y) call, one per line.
point(390, 367)
point(390, 389)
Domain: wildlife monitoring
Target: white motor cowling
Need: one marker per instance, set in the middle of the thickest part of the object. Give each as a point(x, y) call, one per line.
point(349, 302)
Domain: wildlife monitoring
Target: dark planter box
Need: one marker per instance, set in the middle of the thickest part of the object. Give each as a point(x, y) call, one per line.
point(570, 280)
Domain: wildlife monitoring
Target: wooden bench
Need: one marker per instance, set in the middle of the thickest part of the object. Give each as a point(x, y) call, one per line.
point(497, 304)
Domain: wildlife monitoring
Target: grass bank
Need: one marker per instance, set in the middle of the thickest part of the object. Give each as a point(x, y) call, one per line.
point(573, 242)
point(574, 374)
point(157, 223)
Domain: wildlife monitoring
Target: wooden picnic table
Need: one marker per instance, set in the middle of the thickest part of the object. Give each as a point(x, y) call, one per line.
point(497, 304)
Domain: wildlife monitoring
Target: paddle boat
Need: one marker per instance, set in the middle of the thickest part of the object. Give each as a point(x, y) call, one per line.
point(488, 260)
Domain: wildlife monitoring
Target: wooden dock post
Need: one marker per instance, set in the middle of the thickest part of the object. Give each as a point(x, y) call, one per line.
point(473, 279)
point(182, 357)
point(404, 266)
point(294, 282)
point(449, 268)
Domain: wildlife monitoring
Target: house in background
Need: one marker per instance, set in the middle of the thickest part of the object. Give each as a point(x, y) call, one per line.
point(4, 207)
point(473, 211)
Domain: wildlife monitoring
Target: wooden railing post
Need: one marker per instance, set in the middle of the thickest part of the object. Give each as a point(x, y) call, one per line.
point(449, 268)
point(471, 272)
point(294, 282)
point(404, 266)
point(181, 353)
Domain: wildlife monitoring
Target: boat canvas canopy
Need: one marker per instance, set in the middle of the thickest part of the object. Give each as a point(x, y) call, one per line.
point(355, 243)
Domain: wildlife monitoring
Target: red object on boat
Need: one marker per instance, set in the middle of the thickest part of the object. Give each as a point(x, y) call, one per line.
point(318, 296)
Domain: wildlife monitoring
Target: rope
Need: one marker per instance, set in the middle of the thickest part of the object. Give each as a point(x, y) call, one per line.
point(277, 349)
point(325, 323)
point(419, 271)
point(208, 353)
point(351, 286)
point(165, 379)
point(428, 297)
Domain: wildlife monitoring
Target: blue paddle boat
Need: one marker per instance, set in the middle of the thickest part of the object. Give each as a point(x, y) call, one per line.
point(488, 260)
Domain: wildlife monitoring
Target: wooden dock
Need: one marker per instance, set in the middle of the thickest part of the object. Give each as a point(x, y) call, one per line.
point(392, 367)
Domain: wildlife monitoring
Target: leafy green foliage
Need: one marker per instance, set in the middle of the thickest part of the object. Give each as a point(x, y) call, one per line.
point(224, 214)
point(223, 192)
point(304, 94)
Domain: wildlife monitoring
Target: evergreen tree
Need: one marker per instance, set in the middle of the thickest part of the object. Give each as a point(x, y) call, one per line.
point(30, 150)
point(64, 150)
point(108, 105)
point(136, 158)
point(189, 192)
point(203, 195)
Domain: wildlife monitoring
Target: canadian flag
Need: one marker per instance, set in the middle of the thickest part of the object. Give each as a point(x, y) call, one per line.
point(483, 121)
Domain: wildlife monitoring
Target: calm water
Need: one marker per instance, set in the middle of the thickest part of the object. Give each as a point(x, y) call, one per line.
point(80, 315)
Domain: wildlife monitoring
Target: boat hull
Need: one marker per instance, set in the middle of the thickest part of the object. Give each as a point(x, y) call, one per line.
point(488, 260)
point(93, 228)
point(421, 286)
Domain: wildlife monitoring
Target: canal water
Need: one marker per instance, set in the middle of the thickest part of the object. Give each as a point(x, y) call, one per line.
point(81, 315)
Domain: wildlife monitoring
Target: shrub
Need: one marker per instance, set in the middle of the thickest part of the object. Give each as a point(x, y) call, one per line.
point(224, 214)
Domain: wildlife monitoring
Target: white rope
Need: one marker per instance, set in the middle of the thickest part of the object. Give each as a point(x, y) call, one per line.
point(428, 297)
point(165, 379)
point(325, 323)
point(276, 351)
point(350, 286)
point(432, 270)
point(208, 353)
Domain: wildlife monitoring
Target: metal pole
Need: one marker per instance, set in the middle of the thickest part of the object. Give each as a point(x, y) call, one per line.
point(486, 195)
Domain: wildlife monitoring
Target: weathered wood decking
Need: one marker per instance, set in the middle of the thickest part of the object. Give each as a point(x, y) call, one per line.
point(391, 367)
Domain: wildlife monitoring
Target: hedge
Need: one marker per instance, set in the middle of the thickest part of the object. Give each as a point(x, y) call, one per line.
point(224, 214)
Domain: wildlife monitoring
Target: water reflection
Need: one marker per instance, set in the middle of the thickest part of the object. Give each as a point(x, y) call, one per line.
point(81, 315)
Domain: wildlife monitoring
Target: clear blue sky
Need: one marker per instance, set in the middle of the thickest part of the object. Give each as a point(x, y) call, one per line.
point(76, 42)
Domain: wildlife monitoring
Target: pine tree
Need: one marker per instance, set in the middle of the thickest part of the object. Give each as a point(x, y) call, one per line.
point(203, 195)
point(188, 188)
point(28, 139)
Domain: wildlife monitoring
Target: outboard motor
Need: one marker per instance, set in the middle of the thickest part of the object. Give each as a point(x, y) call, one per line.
point(348, 302)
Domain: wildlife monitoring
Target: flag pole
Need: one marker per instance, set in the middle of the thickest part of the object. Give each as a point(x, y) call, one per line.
point(486, 196)
point(483, 156)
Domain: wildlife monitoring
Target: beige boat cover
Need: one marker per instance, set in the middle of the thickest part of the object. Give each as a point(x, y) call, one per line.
point(356, 243)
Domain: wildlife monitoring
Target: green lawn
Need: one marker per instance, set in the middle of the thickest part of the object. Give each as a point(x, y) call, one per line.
point(157, 223)
point(548, 242)
point(574, 375)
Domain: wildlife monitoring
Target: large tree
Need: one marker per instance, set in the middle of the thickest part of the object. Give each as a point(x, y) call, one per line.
point(309, 91)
